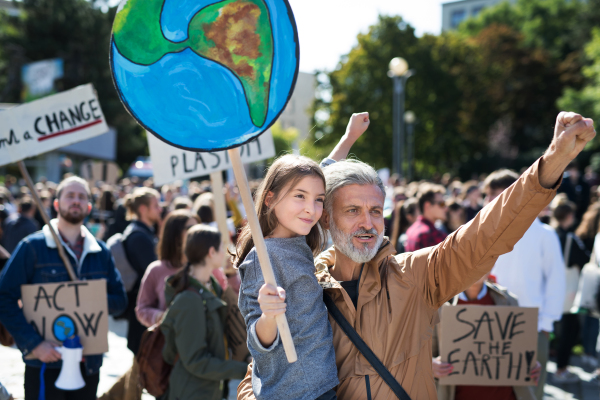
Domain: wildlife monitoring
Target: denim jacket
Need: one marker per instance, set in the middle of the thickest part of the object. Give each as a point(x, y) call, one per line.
point(36, 260)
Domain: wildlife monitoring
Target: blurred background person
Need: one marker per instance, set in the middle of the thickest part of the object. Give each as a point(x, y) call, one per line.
point(405, 215)
point(193, 327)
point(171, 258)
point(471, 199)
point(455, 217)
point(534, 271)
point(576, 189)
point(139, 243)
point(423, 233)
point(20, 225)
point(575, 256)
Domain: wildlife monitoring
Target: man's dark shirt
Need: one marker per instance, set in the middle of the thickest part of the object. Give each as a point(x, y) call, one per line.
point(16, 229)
point(76, 248)
point(423, 234)
point(351, 288)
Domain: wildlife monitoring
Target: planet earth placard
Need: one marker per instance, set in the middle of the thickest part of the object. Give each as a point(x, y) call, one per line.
point(205, 75)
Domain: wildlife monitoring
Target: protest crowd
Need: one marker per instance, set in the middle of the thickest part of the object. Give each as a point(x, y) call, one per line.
point(166, 245)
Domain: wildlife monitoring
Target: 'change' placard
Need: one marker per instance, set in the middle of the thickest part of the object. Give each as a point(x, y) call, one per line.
point(489, 345)
point(50, 123)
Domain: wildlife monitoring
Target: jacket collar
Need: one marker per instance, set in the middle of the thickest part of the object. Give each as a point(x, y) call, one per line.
point(90, 244)
point(371, 277)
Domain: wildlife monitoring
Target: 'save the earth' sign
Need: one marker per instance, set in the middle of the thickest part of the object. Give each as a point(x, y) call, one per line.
point(489, 345)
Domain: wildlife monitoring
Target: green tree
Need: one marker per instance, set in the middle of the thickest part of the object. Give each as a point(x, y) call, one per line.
point(485, 96)
point(283, 139)
point(587, 100)
point(360, 83)
point(78, 31)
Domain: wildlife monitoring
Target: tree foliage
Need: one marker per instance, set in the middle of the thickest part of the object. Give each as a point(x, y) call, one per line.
point(78, 31)
point(485, 95)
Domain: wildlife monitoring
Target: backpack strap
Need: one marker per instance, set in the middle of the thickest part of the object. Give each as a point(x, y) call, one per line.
point(364, 349)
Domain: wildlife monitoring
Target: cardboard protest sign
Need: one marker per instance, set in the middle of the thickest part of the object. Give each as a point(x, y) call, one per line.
point(50, 123)
point(170, 163)
point(105, 171)
point(489, 345)
point(59, 310)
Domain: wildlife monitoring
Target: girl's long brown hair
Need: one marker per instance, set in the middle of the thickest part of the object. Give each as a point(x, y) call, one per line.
point(170, 244)
point(283, 175)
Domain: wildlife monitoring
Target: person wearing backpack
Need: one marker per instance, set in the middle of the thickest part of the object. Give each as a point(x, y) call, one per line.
point(133, 253)
point(194, 323)
point(151, 302)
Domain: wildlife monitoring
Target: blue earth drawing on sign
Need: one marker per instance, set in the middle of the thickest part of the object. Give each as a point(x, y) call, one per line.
point(205, 74)
point(63, 328)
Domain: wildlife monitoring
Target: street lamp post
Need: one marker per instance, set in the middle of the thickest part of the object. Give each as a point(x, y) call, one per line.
point(409, 120)
point(400, 73)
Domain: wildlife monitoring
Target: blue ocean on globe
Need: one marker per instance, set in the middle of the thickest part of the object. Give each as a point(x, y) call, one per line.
point(198, 104)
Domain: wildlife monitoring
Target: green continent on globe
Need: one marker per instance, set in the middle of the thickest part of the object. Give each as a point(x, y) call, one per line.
point(234, 33)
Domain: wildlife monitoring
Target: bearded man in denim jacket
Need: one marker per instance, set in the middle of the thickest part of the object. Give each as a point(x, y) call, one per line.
point(36, 260)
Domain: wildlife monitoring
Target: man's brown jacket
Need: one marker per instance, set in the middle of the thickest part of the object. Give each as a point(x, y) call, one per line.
point(399, 295)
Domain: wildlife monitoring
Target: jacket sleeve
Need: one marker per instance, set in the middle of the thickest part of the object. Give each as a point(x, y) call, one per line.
point(252, 281)
point(553, 269)
point(147, 301)
point(244, 390)
point(449, 268)
point(18, 271)
point(117, 297)
point(188, 316)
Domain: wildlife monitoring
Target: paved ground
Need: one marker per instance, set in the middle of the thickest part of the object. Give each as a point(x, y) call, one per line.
point(118, 360)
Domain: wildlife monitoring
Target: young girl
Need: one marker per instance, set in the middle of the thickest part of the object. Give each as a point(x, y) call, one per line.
point(289, 204)
point(194, 323)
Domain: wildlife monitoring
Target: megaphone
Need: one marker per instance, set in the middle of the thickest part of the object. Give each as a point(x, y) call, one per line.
point(70, 374)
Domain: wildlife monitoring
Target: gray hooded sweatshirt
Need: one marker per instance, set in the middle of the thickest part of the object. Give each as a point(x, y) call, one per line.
point(315, 372)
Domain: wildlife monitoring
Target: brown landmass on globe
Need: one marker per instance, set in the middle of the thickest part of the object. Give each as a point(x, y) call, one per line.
point(234, 33)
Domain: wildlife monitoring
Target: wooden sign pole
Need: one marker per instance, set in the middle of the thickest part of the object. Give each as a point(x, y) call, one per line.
point(38, 202)
point(261, 249)
point(216, 182)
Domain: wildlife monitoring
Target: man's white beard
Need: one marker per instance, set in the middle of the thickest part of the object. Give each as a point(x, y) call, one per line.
point(343, 243)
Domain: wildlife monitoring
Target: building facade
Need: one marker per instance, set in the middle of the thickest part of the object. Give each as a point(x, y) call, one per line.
point(10, 8)
point(455, 12)
point(297, 113)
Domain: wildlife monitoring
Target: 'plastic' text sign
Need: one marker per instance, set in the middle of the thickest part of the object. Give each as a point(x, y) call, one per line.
point(171, 163)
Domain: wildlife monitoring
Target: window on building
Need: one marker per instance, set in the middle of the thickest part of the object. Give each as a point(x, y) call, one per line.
point(457, 17)
point(476, 10)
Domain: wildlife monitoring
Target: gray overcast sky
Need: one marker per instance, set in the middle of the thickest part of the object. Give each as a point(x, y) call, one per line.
point(328, 28)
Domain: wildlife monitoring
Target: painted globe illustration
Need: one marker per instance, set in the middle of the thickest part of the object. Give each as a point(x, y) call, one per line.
point(205, 74)
point(63, 328)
